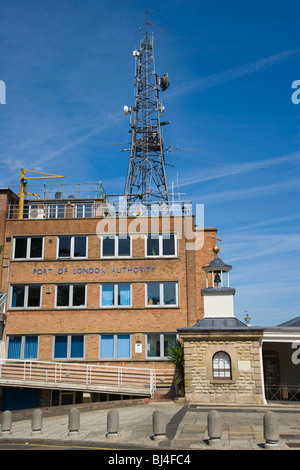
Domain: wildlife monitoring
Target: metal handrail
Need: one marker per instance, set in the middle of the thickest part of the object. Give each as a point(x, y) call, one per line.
point(82, 375)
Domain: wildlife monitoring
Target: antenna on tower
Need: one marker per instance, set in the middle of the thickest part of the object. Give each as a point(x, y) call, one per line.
point(146, 176)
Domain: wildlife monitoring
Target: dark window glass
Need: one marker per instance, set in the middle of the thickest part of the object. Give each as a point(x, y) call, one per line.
point(18, 296)
point(78, 295)
point(153, 345)
point(63, 296)
point(20, 247)
point(153, 293)
point(14, 347)
point(77, 346)
point(31, 345)
point(169, 293)
point(36, 248)
point(108, 248)
point(169, 339)
point(169, 244)
point(124, 246)
point(34, 293)
point(79, 246)
point(61, 347)
point(64, 248)
point(153, 246)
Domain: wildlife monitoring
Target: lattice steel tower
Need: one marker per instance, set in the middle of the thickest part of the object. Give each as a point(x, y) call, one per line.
point(146, 177)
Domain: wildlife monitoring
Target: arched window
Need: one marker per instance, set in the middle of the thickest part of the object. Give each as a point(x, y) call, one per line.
point(221, 365)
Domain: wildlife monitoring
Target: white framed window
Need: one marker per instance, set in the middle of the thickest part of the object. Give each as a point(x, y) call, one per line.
point(158, 344)
point(23, 296)
point(161, 245)
point(221, 365)
point(56, 211)
point(115, 346)
point(83, 210)
point(116, 246)
point(70, 295)
point(22, 347)
point(72, 246)
point(115, 295)
point(69, 346)
point(162, 294)
point(28, 248)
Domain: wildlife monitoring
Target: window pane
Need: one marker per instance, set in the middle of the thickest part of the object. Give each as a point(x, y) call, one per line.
point(107, 295)
point(124, 246)
point(14, 347)
point(169, 293)
point(31, 343)
point(88, 210)
point(36, 247)
point(78, 295)
point(77, 346)
point(153, 245)
point(169, 244)
point(168, 340)
point(124, 294)
point(64, 249)
point(221, 365)
point(79, 210)
point(61, 346)
point(34, 295)
point(18, 296)
point(79, 246)
point(108, 248)
point(123, 346)
point(107, 346)
point(153, 293)
point(62, 296)
point(60, 211)
point(153, 345)
point(20, 247)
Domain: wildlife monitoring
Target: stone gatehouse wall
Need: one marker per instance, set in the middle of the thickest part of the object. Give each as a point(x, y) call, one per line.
point(245, 384)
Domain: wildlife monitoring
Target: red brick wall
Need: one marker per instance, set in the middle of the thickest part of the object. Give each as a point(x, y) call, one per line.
point(186, 269)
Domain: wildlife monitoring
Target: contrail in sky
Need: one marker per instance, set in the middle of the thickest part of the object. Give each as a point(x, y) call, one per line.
point(233, 73)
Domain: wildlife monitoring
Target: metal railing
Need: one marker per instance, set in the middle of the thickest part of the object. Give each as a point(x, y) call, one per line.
point(282, 392)
point(69, 209)
point(77, 376)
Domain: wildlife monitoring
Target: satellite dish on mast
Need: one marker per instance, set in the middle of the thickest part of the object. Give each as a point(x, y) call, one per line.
point(164, 82)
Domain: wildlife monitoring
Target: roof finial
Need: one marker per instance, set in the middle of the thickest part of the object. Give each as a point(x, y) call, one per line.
point(216, 250)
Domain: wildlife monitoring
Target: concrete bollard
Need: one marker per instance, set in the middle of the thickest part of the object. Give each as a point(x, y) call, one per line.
point(112, 423)
point(6, 422)
point(159, 425)
point(271, 430)
point(37, 421)
point(214, 427)
point(74, 421)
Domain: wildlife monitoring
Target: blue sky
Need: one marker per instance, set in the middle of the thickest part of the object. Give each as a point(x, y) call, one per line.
point(69, 70)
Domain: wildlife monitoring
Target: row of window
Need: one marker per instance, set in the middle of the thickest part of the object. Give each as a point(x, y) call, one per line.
point(112, 246)
point(111, 346)
point(157, 294)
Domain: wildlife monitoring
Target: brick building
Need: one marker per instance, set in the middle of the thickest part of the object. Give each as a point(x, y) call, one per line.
point(84, 285)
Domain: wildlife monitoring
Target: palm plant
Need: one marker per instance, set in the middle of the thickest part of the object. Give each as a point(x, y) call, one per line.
point(176, 356)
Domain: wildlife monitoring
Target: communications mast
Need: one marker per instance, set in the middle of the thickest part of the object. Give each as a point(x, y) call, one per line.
point(146, 177)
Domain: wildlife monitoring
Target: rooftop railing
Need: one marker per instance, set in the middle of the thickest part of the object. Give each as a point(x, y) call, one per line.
point(85, 208)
